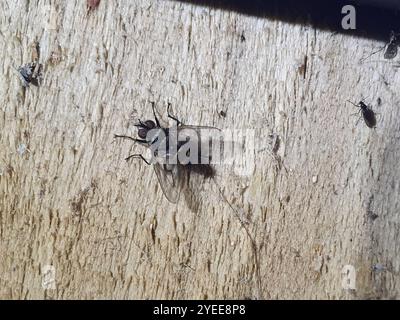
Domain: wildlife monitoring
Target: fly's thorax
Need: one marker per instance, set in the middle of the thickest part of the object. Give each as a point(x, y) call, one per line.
point(362, 105)
point(176, 145)
point(157, 142)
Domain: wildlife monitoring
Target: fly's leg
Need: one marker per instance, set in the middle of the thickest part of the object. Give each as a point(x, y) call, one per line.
point(137, 156)
point(355, 114)
point(136, 140)
point(130, 138)
point(358, 120)
point(154, 113)
point(178, 122)
point(375, 52)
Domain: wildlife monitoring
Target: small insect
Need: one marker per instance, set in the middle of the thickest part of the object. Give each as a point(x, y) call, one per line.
point(392, 46)
point(367, 113)
point(171, 158)
point(30, 73)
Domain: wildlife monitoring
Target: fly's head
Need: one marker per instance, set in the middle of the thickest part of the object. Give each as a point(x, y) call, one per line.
point(362, 105)
point(148, 131)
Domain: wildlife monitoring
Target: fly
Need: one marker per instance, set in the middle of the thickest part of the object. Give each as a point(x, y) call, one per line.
point(174, 175)
point(30, 73)
point(173, 160)
point(367, 113)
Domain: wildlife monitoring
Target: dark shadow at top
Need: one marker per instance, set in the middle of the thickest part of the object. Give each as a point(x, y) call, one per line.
point(371, 22)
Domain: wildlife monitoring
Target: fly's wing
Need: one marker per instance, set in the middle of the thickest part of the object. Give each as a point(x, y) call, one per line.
point(171, 180)
point(391, 51)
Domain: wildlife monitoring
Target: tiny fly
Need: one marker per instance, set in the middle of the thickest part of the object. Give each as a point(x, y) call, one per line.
point(172, 160)
point(391, 47)
point(367, 113)
point(30, 73)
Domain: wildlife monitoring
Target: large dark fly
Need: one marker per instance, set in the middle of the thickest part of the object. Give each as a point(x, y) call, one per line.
point(171, 158)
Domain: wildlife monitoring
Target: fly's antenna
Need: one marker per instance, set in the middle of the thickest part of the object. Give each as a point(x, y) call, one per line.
point(375, 52)
point(253, 242)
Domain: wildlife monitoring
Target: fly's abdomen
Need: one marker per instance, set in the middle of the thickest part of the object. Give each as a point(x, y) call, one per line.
point(369, 118)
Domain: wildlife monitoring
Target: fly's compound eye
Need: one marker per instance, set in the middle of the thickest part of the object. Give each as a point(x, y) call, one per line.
point(150, 124)
point(142, 133)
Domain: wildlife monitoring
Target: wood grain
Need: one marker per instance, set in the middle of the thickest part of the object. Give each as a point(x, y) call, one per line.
point(69, 200)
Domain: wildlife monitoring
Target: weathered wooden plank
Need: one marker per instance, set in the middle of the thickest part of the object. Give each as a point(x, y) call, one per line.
point(71, 202)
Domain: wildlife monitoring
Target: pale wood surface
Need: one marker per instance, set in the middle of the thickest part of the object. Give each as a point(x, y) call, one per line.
point(72, 202)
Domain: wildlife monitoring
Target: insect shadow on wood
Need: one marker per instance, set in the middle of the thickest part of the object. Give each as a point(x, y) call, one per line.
point(179, 156)
point(367, 114)
point(391, 48)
